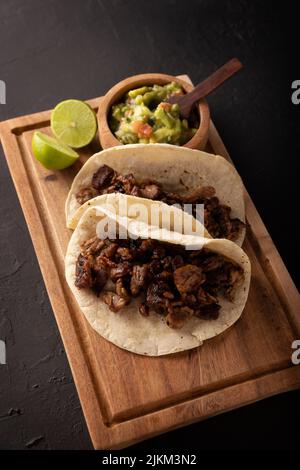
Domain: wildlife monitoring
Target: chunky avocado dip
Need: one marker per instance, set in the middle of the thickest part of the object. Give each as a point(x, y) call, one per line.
point(145, 117)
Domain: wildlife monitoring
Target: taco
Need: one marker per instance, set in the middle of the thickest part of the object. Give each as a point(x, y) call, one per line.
point(154, 292)
point(166, 174)
point(170, 217)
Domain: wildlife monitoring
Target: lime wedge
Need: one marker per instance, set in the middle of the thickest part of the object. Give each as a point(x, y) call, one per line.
point(51, 153)
point(74, 123)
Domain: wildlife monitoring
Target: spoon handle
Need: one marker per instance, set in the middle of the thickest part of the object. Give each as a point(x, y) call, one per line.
point(207, 86)
point(216, 79)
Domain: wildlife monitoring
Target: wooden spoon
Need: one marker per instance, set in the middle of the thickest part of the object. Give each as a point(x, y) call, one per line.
point(186, 102)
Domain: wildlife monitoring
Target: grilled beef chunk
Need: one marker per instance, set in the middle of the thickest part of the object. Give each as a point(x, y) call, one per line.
point(217, 219)
point(218, 222)
point(177, 261)
point(146, 245)
point(121, 270)
point(99, 274)
point(124, 253)
point(205, 298)
point(173, 282)
point(86, 194)
point(138, 279)
point(211, 262)
point(178, 316)
point(103, 177)
point(114, 301)
point(122, 291)
point(110, 250)
point(151, 191)
point(83, 272)
point(188, 279)
point(199, 193)
point(209, 312)
point(144, 309)
point(155, 298)
point(126, 181)
point(93, 245)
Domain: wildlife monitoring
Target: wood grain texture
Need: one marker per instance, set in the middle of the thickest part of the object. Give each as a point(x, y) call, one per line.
point(126, 397)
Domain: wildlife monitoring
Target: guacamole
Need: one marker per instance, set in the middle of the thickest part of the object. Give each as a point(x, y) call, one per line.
point(145, 117)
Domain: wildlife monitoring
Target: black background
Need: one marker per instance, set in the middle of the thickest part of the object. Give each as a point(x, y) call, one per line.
point(53, 50)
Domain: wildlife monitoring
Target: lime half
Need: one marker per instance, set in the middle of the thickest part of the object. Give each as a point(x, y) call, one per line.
point(74, 123)
point(51, 153)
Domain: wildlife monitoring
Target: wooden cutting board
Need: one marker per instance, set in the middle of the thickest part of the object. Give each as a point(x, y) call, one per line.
point(125, 397)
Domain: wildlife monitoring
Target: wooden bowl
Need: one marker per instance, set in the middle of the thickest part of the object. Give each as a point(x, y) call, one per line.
point(115, 94)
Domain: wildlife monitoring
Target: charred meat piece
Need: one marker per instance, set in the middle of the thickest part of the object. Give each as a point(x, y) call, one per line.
point(144, 309)
point(218, 277)
point(222, 215)
point(92, 246)
point(205, 298)
point(86, 194)
point(155, 298)
point(177, 262)
point(211, 203)
point(172, 198)
point(127, 182)
point(212, 261)
point(151, 191)
point(191, 300)
point(125, 254)
point(158, 252)
point(122, 291)
point(235, 274)
point(121, 270)
point(138, 278)
point(168, 295)
point(135, 191)
point(178, 316)
point(166, 263)
point(114, 301)
point(155, 267)
point(236, 226)
point(209, 312)
point(218, 221)
point(117, 187)
point(188, 279)
point(110, 250)
point(198, 194)
point(102, 178)
point(100, 277)
point(83, 273)
point(146, 245)
point(165, 276)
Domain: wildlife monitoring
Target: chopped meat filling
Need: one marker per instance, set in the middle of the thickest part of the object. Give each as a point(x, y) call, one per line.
point(171, 281)
point(86, 194)
point(138, 278)
point(217, 218)
point(188, 279)
point(102, 178)
point(83, 272)
point(114, 301)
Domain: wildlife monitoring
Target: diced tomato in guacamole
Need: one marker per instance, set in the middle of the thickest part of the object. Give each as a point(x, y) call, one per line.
point(145, 117)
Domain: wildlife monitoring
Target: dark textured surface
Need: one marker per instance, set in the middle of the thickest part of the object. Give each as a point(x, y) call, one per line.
point(60, 49)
